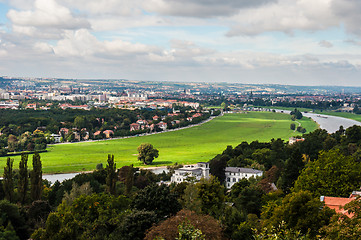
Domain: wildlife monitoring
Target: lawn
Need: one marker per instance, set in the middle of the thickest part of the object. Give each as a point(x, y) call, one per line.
point(199, 143)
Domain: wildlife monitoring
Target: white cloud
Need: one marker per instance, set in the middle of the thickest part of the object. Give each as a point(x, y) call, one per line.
point(285, 16)
point(46, 14)
point(43, 47)
point(82, 43)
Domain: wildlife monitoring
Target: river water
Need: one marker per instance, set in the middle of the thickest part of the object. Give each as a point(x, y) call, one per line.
point(329, 123)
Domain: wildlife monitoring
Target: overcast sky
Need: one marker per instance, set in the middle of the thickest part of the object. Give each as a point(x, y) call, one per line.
point(298, 42)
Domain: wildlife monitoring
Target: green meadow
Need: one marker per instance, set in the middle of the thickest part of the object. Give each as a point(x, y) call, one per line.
point(191, 145)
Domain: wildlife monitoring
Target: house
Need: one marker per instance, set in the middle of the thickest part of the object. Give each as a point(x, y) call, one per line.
point(155, 118)
point(64, 131)
point(134, 127)
point(56, 137)
point(31, 106)
point(235, 174)
point(293, 140)
point(337, 203)
point(97, 133)
point(77, 136)
point(191, 172)
point(196, 115)
point(108, 133)
point(162, 125)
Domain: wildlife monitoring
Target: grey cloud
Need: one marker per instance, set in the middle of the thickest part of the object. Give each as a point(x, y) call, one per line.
point(353, 42)
point(203, 8)
point(348, 11)
point(325, 44)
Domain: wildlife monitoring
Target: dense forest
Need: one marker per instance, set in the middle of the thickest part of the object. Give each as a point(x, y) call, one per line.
point(128, 203)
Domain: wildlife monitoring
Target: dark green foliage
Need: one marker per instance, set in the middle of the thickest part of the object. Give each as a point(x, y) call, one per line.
point(88, 217)
point(10, 214)
point(126, 175)
point(111, 174)
point(8, 233)
point(313, 143)
point(36, 180)
point(238, 187)
point(250, 200)
point(38, 213)
point(301, 129)
point(218, 165)
point(293, 126)
point(296, 113)
point(333, 174)
point(147, 153)
point(230, 219)
point(8, 182)
point(353, 134)
point(157, 198)
point(23, 181)
point(292, 169)
point(301, 211)
point(96, 179)
point(211, 194)
point(134, 225)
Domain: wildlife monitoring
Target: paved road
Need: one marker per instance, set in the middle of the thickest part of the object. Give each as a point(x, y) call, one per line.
point(327, 122)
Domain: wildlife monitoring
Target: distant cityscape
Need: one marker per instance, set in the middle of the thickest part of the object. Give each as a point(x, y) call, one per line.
point(43, 93)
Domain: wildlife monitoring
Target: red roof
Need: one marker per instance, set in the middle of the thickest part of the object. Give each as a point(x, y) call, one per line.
point(337, 204)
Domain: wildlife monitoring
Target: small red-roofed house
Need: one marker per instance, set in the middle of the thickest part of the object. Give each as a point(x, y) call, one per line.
point(64, 131)
point(97, 133)
point(134, 127)
point(337, 204)
point(108, 133)
point(197, 115)
point(162, 125)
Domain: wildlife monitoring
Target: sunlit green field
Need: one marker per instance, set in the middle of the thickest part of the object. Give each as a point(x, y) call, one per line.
point(199, 143)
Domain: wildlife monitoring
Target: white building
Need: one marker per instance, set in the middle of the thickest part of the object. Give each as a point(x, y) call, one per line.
point(195, 172)
point(235, 174)
point(57, 137)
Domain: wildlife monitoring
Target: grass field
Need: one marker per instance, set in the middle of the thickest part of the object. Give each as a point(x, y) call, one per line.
point(199, 143)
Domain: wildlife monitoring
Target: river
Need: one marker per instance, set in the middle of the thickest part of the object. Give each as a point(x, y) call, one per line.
point(330, 123)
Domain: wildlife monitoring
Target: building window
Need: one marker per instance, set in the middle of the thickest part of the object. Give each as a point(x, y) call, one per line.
point(228, 179)
point(234, 179)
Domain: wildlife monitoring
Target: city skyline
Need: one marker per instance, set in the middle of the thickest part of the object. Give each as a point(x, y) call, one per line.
point(300, 42)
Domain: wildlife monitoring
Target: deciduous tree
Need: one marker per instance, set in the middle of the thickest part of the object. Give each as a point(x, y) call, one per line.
point(332, 174)
point(147, 153)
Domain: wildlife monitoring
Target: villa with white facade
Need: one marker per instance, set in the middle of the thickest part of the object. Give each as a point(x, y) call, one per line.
point(201, 170)
point(195, 172)
point(235, 174)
